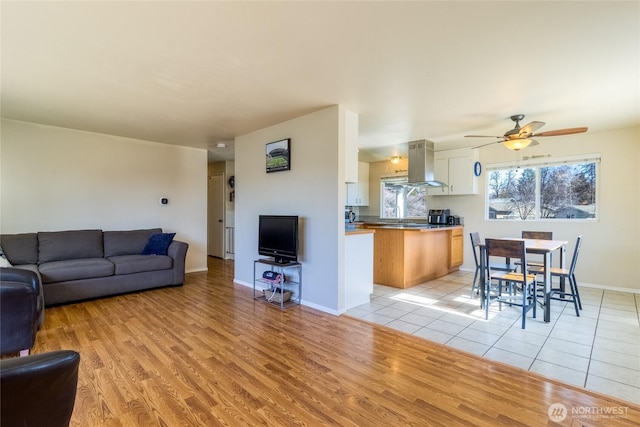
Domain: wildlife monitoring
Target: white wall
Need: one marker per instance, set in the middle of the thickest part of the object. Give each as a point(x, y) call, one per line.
point(610, 256)
point(313, 189)
point(58, 179)
point(227, 170)
point(230, 209)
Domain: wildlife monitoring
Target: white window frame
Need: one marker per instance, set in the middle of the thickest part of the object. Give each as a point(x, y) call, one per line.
point(538, 162)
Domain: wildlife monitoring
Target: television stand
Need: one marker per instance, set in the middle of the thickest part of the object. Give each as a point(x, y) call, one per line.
point(276, 293)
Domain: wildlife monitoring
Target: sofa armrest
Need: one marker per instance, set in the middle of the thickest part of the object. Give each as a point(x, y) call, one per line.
point(18, 310)
point(23, 275)
point(178, 251)
point(12, 274)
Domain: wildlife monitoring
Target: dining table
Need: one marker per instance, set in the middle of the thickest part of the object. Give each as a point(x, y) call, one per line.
point(532, 246)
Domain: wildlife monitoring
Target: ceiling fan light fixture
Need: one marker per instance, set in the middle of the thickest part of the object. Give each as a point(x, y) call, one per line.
point(395, 159)
point(517, 144)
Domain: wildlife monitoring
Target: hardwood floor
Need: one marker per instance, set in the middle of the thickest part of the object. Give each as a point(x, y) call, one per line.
point(207, 354)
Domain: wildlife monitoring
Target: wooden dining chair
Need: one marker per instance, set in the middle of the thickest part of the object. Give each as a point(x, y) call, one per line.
point(537, 235)
point(496, 266)
point(510, 249)
point(569, 274)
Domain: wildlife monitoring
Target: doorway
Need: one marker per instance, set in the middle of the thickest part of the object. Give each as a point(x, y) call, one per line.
point(215, 216)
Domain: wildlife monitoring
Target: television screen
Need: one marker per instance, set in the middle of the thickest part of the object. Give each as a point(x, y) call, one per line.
point(278, 237)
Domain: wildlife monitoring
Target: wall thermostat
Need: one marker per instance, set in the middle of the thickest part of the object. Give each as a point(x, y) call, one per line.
point(164, 201)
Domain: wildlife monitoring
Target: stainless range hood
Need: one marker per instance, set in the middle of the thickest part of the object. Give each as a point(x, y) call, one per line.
point(421, 164)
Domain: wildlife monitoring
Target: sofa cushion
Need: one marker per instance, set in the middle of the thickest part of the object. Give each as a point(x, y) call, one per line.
point(69, 245)
point(75, 269)
point(126, 242)
point(20, 248)
point(158, 244)
point(129, 264)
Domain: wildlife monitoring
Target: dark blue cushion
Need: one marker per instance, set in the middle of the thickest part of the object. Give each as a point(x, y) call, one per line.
point(158, 244)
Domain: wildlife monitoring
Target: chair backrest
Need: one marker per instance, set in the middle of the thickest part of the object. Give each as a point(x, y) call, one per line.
point(475, 242)
point(576, 252)
point(505, 248)
point(538, 235)
point(39, 390)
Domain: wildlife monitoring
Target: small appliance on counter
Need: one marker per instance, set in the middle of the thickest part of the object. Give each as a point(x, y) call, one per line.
point(454, 220)
point(349, 216)
point(438, 216)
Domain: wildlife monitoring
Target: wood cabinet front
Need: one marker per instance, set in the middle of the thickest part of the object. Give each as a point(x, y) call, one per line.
point(404, 258)
point(456, 250)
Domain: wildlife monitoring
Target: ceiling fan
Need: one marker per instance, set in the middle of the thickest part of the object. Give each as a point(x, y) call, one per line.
point(520, 137)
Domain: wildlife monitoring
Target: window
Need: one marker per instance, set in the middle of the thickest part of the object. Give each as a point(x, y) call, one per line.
point(553, 190)
point(400, 200)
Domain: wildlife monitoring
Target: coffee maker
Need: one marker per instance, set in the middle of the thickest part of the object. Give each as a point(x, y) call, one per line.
point(438, 216)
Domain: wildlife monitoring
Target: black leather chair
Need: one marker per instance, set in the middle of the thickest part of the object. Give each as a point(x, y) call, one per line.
point(39, 390)
point(21, 310)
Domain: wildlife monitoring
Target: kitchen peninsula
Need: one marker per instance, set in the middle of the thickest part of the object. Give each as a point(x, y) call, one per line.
point(407, 255)
point(358, 266)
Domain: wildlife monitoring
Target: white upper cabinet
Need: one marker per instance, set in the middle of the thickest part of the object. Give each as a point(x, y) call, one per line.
point(456, 169)
point(358, 193)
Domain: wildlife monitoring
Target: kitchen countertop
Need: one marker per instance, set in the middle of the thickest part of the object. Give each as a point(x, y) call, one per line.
point(352, 231)
point(411, 226)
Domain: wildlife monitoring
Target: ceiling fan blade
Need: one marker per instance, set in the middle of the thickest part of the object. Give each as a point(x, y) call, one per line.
point(484, 145)
point(567, 131)
point(482, 136)
point(529, 128)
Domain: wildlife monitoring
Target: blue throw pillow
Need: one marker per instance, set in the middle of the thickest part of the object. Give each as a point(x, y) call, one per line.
point(158, 244)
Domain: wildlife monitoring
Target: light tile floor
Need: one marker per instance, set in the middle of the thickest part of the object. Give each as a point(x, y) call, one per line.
point(600, 350)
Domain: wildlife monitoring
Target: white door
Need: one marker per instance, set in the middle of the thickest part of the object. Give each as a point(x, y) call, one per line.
point(215, 216)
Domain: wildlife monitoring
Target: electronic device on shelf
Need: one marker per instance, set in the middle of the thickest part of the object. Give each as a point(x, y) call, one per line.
point(278, 237)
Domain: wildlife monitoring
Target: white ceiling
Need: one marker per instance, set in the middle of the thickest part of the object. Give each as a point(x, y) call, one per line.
point(199, 73)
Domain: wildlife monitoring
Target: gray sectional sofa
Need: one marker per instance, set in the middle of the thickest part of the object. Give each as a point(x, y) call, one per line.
point(76, 265)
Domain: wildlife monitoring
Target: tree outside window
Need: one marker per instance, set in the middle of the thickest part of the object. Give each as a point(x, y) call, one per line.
point(561, 191)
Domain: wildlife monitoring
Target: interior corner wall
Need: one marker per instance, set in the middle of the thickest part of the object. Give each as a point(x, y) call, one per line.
point(230, 209)
point(55, 178)
point(227, 169)
point(310, 190)
point(611, 240)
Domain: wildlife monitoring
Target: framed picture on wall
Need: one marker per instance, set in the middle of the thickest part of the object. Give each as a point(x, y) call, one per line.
point(278, 155)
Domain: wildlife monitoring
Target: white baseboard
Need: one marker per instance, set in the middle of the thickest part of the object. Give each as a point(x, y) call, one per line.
point(196, 270)
point(586, 285)
point(303, 302)
point(243, 283)
point(608, 288)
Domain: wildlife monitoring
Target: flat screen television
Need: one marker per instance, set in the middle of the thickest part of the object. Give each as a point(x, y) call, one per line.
point(278, 237)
